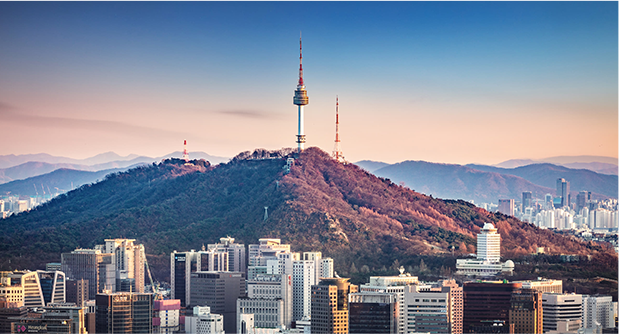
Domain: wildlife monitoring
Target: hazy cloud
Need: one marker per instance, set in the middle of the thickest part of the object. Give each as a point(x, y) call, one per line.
point(7, 114)
point(249, 114)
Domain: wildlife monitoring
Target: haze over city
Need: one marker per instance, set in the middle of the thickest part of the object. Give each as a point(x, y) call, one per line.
point(447, 82)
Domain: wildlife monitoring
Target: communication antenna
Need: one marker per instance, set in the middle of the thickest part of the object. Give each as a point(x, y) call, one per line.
point(337, 151)
point(300, 99)
point(185, 154)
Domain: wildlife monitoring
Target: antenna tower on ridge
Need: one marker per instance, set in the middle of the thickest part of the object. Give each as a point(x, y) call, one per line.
point(185, 154)
point(337, 151)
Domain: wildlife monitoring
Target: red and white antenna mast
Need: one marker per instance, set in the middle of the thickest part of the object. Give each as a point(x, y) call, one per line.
point(337, 151)
point(185, 154)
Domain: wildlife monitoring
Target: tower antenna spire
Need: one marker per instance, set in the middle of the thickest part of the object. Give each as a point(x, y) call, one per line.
point(337, 151)
point(300, 60)
point(300, 99)
point(185, 154)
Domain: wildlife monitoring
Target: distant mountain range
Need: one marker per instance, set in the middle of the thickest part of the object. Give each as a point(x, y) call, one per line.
point(24, 166)
point(56, 182)
point(599, 164)
point(482, 183)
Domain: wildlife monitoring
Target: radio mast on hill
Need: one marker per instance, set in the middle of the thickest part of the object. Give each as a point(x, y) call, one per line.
point(185, 154)
point(300, 99)
point(337, 151)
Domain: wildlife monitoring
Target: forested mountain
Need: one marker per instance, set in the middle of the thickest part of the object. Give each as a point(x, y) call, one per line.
point(341, 210)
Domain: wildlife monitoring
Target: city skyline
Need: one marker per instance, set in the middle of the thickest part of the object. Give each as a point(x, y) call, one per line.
point(442, 82)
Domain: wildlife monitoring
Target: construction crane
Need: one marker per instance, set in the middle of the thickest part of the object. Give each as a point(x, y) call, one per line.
point(155, 288)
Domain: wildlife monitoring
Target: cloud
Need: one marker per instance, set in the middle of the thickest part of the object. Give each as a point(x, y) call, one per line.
point(249, 114)
point(7, 114)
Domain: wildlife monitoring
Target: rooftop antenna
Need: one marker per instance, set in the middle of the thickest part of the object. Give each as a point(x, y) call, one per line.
point(185, 154)
point(337, 151)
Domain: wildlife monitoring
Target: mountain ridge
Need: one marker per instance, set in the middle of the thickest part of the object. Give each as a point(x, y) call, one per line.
point(341, 210)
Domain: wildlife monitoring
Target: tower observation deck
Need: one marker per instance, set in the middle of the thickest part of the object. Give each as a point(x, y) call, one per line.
point(300, 99)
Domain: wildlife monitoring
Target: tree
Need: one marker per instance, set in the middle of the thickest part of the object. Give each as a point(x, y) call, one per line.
point(353, 269)
point(422, 266)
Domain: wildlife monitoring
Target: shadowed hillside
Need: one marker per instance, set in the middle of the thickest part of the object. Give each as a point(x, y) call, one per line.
point(341, 210)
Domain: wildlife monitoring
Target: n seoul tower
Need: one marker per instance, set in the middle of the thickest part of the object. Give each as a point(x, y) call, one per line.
point(300, 99)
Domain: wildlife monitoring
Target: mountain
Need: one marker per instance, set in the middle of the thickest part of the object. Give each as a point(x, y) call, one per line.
point(459, 182)
point(546, 175)
point(370, 165)
point(59, 181)
point(599, 164)
point(341, 210)
point(11, 160)
point(34, 168)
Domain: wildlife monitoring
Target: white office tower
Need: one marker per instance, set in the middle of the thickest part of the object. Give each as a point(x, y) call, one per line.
point(303, 277)
point(267, 313)
point(323, 266)
point(488, 260)
point(489, 244)
point(213, 260)
point(182, 265)
point(128, 260)
point(396, 285)
point(598, 312)
point(203, 322)
point(270, 257)
point(562, 313)
point(270, 287)
point(428, 311)
point(236, 253)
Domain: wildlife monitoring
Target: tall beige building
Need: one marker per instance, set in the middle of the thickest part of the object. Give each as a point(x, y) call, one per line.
point(330, 305)
point(128, 260)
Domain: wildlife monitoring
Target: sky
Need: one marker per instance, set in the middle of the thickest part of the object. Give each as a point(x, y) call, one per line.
point(449, 82)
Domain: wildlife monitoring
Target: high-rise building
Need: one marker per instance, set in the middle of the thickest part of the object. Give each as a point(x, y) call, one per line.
point(219, 291)
point(525, 314)
point(598, 312)
point(488, 255)
point(41, 287)
point(124, 312)
point(13, 294)
point(485, 302)
point(456, 297)
point(527, 198)
point(303, 277)
point(581, 200)
point(372, 312)
point(167, 316)
point(267, 313)
point(428, 311)
point(182, 265)
point(506, 206)
point(77, 292)
point(562, 312)
point(563, 191)
point(397, 286)
point(236, 253)
point(128, 260)
point(205, 322)
point(272, 287)
point(89, 265)
point(330, 305)
point(8, 314)
point(213, 260)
